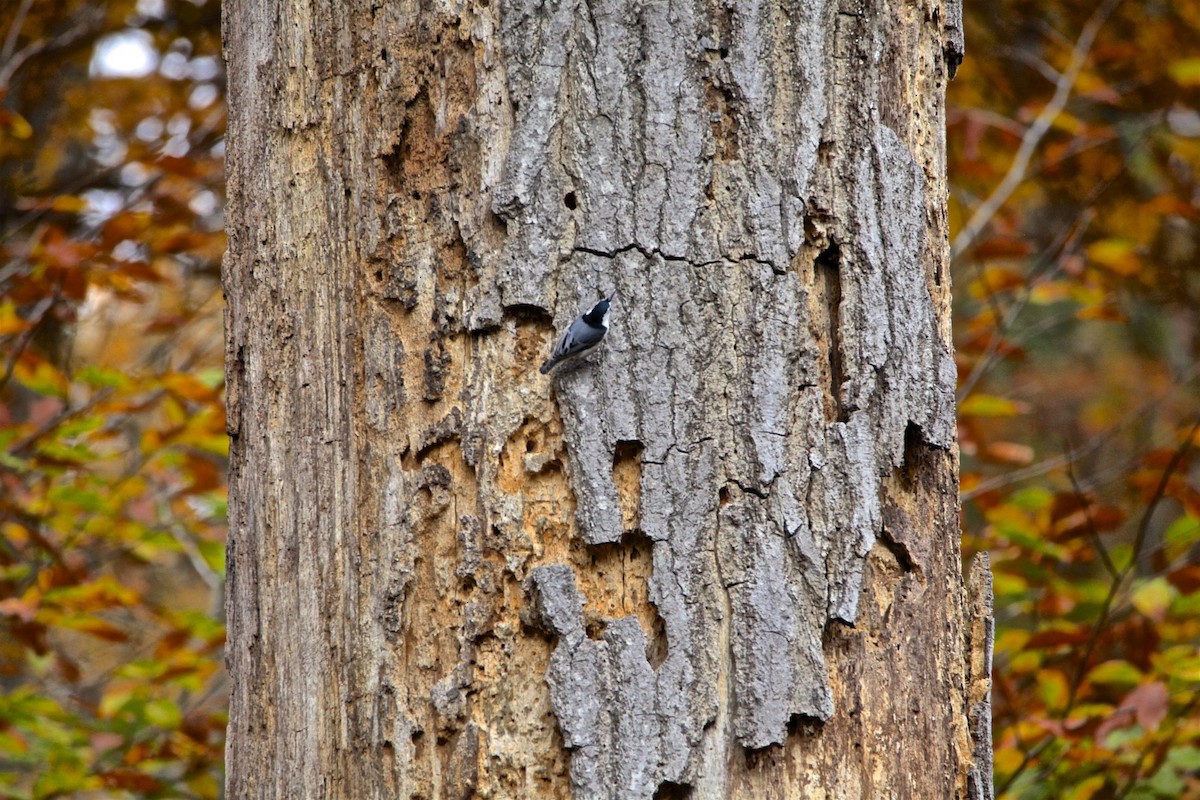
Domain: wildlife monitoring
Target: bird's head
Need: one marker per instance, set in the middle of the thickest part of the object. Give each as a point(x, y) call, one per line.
point(598, 314)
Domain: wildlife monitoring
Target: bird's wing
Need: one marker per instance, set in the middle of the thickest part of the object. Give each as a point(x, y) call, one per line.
point(578, 337)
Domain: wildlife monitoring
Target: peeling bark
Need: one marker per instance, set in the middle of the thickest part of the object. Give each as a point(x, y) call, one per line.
point(716, 557)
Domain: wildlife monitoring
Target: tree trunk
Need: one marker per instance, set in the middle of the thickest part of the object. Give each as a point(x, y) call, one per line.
point(716, 557)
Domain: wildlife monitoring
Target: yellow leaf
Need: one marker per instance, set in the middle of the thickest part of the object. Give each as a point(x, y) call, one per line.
point(1119, 255)
point(1053, 687)
point(19, 127)
point(1186, 71)
point(1086, 789)
point(10, 321)
point(986, 405)
point(69, 204)
point(1007, 760)
point(1153, 597)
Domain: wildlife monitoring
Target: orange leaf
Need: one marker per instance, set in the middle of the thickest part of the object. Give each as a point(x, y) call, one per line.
point(122, 226)
point(188, 387)
point(1010, 452)
point(1103, 313)
point(1002, 247)
point(100, 628)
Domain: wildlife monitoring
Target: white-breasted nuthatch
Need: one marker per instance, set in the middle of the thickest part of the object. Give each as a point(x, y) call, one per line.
point(582, 335)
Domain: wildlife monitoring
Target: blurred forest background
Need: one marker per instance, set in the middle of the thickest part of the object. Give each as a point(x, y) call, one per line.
point(1074, 147)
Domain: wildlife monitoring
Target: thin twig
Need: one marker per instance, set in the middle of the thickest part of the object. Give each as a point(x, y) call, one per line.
point(1093, 534)
point(14, 31)
point(1043, 269)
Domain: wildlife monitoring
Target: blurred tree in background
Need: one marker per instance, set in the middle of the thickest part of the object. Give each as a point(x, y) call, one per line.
point(1074, 150)
point(1075, 145)
point(112, 442)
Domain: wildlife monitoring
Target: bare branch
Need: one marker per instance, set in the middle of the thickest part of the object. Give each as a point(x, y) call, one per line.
point(1033, 136)
point(14, 31)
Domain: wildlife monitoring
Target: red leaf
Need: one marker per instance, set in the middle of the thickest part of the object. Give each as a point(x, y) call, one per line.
point(1053, 638)
point(130, 780)
point(1150, 702)
point(1186, 578)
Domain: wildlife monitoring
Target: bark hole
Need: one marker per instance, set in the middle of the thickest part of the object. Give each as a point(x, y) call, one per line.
point(417, 148)
point(897, 548)
point(534, 335)
point(828, 289)
point(914, 446)
point(529, 313)
point(669, 790)
point(617, 584)
point(723, 121)
point(531, 450)
point(595, 629)
point(801, 725)
point(627, 477)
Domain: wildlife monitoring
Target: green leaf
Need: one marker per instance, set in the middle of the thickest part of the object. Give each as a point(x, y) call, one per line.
point(1185, 758)
point(102, 377)
point(1035, 498)
point(1180, 535)
point(213, 554)
point(163, 713)
point(1166, 782)
point(212, 378)
point(91, 502)
point(1115, 672)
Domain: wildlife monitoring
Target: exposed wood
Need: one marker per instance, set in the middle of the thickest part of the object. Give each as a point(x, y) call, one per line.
point(718, 556)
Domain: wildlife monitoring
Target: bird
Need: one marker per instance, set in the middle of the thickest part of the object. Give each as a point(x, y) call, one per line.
point(583, 334)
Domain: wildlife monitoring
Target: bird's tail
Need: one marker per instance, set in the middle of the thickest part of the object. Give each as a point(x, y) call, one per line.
point(550, 362)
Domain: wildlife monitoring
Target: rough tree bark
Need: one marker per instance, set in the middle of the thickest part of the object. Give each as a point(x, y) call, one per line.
point(719, 557)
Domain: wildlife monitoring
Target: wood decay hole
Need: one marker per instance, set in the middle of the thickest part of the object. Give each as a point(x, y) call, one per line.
point(627, 477)
point(914, 448)
point(828, 287)
point(616, 584)
point(767, 759)
point(723, 121)
point(669, 790)
point(723, 496)
point(898, 550)
point(534, 334)
point(530, 463)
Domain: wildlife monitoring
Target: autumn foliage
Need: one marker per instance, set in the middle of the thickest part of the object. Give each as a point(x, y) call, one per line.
point(112, 443)
point(1074, 145)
